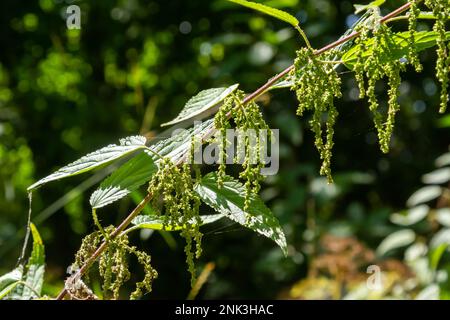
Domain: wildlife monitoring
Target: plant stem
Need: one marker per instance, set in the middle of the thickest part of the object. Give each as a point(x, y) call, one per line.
point(104, 244)
point(261, 90)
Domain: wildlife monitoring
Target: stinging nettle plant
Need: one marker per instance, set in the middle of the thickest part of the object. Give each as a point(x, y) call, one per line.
point(176, 187)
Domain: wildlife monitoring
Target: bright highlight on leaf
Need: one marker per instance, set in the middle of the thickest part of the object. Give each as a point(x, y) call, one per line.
point(201, 103)
point(95, 159)
point(276, 13)
point(229, 200)
point(399, 46)
point(157, 223)
point(130, 176)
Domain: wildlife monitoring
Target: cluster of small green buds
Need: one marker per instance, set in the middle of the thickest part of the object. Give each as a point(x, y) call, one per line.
point(375, 68)
point(180, 206)
point(249, 122)
point(413, 57)
point(317, 84)
point(441, 11)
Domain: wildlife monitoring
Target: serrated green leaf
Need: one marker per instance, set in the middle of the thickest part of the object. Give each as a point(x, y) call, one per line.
point(127, 178)
point(201, 103)
point(140, 169)
point(11, 277)
point(8, 290)
point(229, 200)
point(276, 13)
point(34, 277)
point(399, 47)
point(95, 159)
point(157, 223)
point(362, 7)
point(176, 146)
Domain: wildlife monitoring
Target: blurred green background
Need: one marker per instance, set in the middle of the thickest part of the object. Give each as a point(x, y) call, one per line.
point(133, 65)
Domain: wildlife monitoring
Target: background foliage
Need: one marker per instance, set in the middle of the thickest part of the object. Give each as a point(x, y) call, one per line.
point(133, 65)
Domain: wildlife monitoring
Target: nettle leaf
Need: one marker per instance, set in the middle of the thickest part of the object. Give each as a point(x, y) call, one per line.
point(127, 178)
point(95, 159)
point(229, 200)
point(276, 13)
point(140, 169)
point(157, 223)
point(178, 144)
point(399, 46)
point(30, 284)
point(201, 103)
point(363, 7)
point(34, 278)
point(11, 277)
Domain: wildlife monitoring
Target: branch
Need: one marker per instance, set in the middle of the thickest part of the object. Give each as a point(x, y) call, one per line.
point(104, 244)
point(261, 90)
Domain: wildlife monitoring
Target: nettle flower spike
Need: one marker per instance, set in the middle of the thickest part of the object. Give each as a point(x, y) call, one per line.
point(413, 57)
point(441, 10)
point(375, 68)
point(180, 206)
point(316, 84)
point(249, 122)
point(113, 263)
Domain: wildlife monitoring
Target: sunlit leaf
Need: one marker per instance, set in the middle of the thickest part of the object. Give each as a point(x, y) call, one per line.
point(438, 176)
point(157, 222)
point(11, 277)
point(436, 255)
point(443, 216)
point(229, 200)
point(430, 292)
point(396, 240)
point(410, 216)
point(276, 13)
point(127, 178)
point(201, 103)
point(441, 237)
point(363, 7)
point(423, 195)
point(95, 159)
point(398, 45)
point(443, 160)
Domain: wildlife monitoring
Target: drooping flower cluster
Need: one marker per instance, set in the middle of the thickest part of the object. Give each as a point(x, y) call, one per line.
point(180, 206)
point(374, 68)
point(441, 11)
point(249, 123)
point(113, 262)
point(317, 84)
point(413, 57)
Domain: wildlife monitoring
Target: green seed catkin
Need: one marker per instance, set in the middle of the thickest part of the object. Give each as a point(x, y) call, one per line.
point(317, 84)
point(374, 68)
point(249, 123)
point(441, 10)
point(113, 263)
point(175, 186)
point(413, 57)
